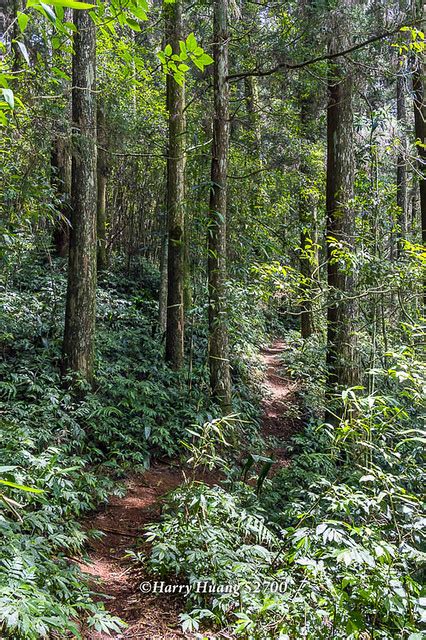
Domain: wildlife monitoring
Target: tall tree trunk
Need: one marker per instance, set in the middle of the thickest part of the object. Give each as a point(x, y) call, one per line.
point(251, 91)
point(175, 196)
point(420, 131)
point(220, 378)
point(60, 163)
point(17, 55)
point(102, 175)
point(306, 219)
point(419, 94)
point(162, 311)
point(401, 170)
point(340, 218)
point(78, 345)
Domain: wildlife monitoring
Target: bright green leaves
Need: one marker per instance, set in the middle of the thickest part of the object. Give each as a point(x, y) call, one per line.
point(53, 11)
point(70, 4)
point(416, 43)
point(174, 63)
point(137, 10)
point(191, 42)
point(22, 21)
point(21, 487)
point(133, 24)
point(183, 54)
point(195, 52)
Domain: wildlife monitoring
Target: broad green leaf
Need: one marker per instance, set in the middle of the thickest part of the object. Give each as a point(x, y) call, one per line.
point(21, 487)
point(71, 4)
point(133, 24)
point(138, 12)
point(198, 63)
point(24, 51)
point(191, 42)
point(179, 77)
point(206, 59)
point(48, 11)
point(183, 54)
point(9, 97)
point(22, 21)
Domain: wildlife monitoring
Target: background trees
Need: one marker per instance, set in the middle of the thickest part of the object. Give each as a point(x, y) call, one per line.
point(153, 160)
point(78, 346)
point(175, 192)
point(220, 380)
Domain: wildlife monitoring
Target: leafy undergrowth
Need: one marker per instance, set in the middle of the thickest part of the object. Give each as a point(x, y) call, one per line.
point(333, 546)
point(74, 447)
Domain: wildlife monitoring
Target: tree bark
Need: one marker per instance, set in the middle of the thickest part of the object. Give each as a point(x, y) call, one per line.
point(60, 163)
point(175, 196)
point(78, 345)
point(220, 378)
point(307, 239)
point(420, 131)
point(102, 177)
point(341, 365)
point(401, 169)
point(162, 312)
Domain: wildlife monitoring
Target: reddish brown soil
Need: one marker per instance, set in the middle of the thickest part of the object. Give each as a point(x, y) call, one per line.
point(123, 520)
point(280, 419)
point(113, 576)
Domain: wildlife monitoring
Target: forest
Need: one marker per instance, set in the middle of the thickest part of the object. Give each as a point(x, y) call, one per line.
point(212, 319)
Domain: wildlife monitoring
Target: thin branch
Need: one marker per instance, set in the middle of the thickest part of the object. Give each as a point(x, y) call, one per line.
point(327, 56)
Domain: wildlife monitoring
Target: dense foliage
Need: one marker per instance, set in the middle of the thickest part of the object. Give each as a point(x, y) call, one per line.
point(333, 545)
point(181, 184)
point(74, 447)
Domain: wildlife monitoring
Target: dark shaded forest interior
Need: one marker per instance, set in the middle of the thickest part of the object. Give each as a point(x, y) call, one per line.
point(212, 321)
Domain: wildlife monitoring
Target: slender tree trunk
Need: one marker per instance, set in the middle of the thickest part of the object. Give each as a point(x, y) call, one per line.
point(251, 90)
point(419, 95)
point(420, 131)
point(220, 378)
point(340, 220)
point(187, 272)
point(102, 177)
point(307, 240)
point(401, 162)
point(175, 196)
point(60, 163)
point(401, 170)
point(163, 282)
point(17, 56)
point(78, 345)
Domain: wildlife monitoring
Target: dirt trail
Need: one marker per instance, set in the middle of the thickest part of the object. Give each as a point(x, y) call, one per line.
point(280, 419)
point(155, 617)
point(149, 617)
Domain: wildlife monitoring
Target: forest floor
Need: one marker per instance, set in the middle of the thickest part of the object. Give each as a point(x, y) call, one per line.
point(155, 616)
